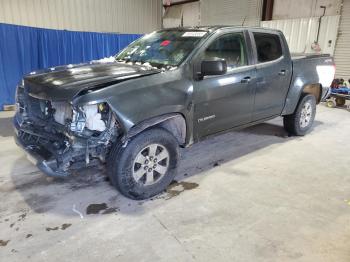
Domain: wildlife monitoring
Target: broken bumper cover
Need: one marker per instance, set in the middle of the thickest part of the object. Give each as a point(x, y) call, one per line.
point(35, 155)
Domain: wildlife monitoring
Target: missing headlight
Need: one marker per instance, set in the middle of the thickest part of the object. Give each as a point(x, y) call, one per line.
point(91, 117)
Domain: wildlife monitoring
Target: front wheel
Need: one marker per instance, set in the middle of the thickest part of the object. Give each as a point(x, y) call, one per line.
point(301, 121)
point(146, 166)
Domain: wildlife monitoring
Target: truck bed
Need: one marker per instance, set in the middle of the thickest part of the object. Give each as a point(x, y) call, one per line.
point(297, 56)
point(313, 68)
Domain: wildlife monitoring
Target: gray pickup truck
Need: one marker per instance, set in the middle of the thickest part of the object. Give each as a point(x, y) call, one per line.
point(170, 88)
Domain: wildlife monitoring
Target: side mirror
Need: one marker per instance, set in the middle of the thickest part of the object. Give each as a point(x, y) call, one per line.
point(213, 67)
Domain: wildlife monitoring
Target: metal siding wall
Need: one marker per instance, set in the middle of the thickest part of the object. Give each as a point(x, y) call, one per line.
point(191, 15)
point(342, 50)
point(290, 9)
point(230, 12)
point(124, 16)
point(302, 32)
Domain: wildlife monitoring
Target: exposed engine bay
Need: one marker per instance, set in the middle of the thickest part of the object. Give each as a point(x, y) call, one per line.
point(67, 137)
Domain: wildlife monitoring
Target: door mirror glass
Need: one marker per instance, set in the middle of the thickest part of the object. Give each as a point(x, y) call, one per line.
point(213, 67)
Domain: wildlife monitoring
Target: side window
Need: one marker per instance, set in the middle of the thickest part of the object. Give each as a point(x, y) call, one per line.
point(230, 47)
point(268, 47)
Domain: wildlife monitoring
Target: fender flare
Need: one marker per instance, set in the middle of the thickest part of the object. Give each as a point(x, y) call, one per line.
point(293, 98)
point(175, 123)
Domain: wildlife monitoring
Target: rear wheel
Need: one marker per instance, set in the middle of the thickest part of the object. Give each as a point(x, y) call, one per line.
point(300, 122)
point(146, 166)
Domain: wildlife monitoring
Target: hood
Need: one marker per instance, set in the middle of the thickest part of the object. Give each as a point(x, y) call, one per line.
point(66, 82)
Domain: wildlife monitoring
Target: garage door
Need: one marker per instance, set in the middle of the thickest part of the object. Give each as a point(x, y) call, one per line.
point(342, 49)
point(230, 12)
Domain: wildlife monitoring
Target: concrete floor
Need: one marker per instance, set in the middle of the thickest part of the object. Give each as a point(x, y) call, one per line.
point(253, 195)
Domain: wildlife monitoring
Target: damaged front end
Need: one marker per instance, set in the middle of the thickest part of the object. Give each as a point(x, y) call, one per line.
point(60, 137)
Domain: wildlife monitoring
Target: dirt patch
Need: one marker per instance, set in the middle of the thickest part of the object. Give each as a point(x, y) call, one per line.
point(86, 178)
point(52, 228)
point(110, 210)
point(94, 209)
point(27, 185)
point(41, 203)
point(29, 235)
point(22, 217)
point(63, 227)
point(216, 164)
point(4, 243)
point(176, 188)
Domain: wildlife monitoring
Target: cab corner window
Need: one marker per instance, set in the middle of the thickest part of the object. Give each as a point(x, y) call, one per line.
point(230, 47)
point(268, 47)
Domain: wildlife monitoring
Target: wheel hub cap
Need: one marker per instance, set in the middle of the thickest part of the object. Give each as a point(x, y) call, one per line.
point(151, 164)
point(306, 114)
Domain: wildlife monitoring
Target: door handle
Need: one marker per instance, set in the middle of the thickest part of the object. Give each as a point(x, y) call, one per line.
point(246, 80)
point(282, 72)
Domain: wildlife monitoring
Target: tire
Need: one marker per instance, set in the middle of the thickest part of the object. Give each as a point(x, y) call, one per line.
point(331, 103)
point(300, 122)
point(132, 175)
point(340, 101)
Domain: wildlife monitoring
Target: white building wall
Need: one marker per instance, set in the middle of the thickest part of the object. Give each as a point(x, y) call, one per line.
point(289, 9)
point(124, 16)
point(300, 33)
point(214, 12)
point(191, 14)
point(342, 50)
point(230, 12)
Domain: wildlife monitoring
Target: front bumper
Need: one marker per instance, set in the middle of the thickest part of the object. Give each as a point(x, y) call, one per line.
point(37, 155)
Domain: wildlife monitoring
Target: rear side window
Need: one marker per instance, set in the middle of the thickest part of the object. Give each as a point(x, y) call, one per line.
point(268, 47)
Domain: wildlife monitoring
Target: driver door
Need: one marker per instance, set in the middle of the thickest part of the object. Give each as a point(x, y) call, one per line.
point(225, 101)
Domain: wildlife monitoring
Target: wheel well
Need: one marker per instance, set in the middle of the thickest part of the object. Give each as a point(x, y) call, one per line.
point(313, 89)
point(174, 123)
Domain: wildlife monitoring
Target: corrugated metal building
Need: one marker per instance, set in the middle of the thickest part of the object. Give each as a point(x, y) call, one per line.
point(218, 12)
point(230, 12)
point(302, 32)
point(123, 16)
point(342, 50)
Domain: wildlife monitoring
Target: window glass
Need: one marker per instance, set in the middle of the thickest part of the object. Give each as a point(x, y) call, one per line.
point(230, 47)
point(162, 48)
point(268, 47)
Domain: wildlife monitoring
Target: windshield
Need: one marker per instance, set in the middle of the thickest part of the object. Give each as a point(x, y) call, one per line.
point(162, 49)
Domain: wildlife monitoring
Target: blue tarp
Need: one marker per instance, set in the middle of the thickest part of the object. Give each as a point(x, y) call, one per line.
point(26, 49)
point(341, 90)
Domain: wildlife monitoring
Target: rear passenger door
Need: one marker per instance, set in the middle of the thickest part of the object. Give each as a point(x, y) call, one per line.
point(274, 71)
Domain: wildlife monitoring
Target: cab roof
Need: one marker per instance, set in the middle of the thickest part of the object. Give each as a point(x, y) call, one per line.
point(215, 27)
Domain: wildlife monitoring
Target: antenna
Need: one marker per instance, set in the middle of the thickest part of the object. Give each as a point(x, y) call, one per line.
point(244, 20)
